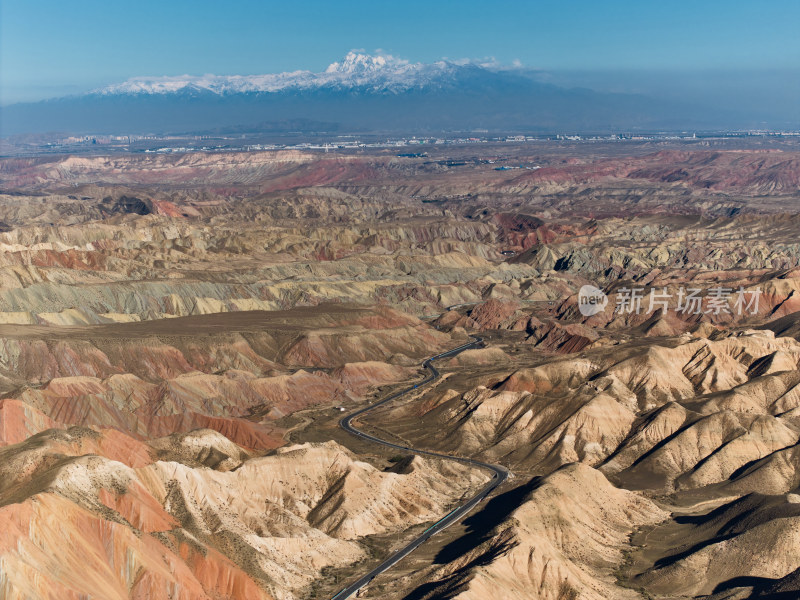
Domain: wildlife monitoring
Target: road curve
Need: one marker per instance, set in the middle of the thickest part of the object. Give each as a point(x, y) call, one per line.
point(500, 474)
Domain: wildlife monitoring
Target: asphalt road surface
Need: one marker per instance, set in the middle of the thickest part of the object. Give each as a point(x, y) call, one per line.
point(500, 475)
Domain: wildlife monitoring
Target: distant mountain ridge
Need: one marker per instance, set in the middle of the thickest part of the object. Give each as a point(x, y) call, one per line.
point(377, 73)
point(358, 93)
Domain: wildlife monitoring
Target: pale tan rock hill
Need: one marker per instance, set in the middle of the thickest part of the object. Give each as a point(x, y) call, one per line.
point(263, 530)
point(755, 537)
point(484, 356)
point(200, 447)
point(686, 413)
point(564, 540)
point(709, 420)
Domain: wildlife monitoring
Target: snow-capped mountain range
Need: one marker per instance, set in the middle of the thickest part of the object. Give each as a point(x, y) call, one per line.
point(356, 94)
point(380, 73)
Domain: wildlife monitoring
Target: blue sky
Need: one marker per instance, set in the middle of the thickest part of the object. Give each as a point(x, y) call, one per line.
point(50, 48)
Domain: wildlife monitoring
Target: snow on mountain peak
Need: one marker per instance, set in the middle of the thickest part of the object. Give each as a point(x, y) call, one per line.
point(355, 63)
point(382, 73)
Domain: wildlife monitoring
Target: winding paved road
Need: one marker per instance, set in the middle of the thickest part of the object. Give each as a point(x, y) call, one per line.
point(500, 474)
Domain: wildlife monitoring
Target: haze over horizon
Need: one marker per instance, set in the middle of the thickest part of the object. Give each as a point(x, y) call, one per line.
point(49, 49)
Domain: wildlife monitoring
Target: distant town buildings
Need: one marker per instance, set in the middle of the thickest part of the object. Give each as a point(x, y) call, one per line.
point(332, 143)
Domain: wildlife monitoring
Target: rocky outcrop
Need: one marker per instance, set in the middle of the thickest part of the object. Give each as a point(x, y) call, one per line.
point(263, 530)
point(564, 540)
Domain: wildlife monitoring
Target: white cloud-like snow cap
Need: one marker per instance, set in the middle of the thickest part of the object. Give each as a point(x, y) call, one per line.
point(381, 72)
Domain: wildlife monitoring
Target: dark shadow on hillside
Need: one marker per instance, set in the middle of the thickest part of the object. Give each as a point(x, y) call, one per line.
point(480, 524)
point(764, 588)
point(744, 581)
point(479, 527)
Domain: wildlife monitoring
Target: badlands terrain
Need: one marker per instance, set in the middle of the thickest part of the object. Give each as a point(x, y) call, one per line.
point(180, 335)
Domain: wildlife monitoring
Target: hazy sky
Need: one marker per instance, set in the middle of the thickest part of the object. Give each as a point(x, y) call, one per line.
point(56, 47)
